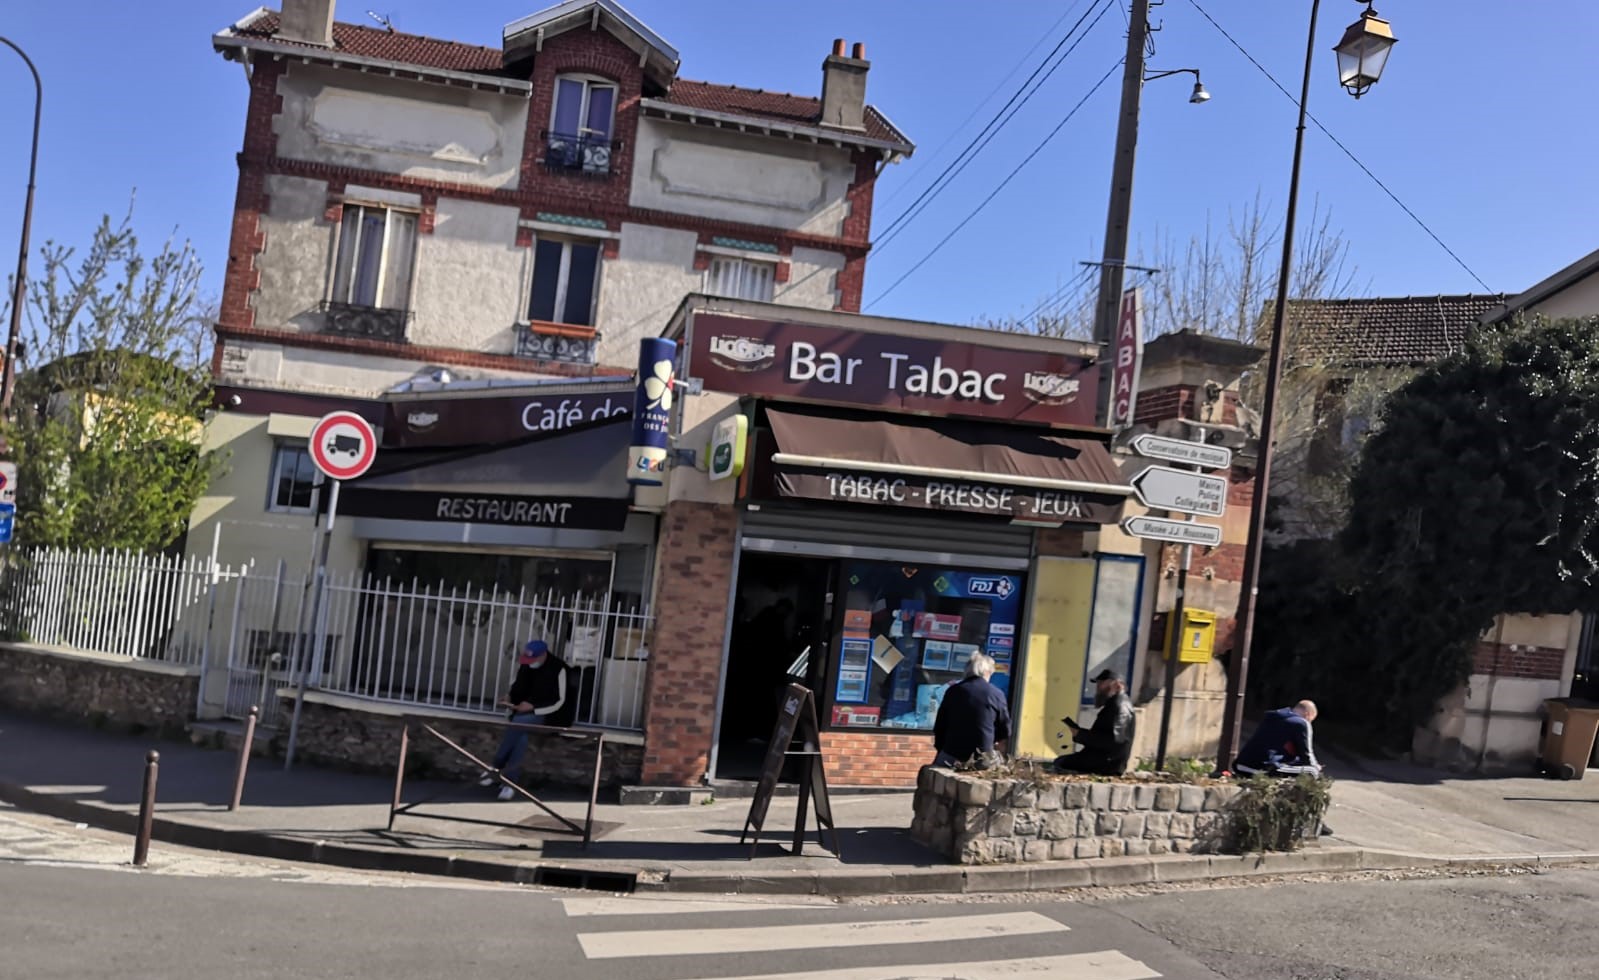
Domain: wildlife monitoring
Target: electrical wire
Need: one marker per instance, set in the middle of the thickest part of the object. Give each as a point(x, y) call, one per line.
point(995, 192)
point(1056, 301)
point(936, 152)
point(1006, 113)
point(1346, 150)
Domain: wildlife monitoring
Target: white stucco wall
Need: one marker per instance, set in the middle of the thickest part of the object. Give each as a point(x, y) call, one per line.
point(470, 275)
point(1577, 300)
point(639, 289)
point(812, 279)
point(738, 177)
point(268, 365)
point(417, 129)
point(293, 263)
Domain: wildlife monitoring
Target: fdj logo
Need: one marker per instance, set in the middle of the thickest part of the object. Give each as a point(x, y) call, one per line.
point(941, 584)
point(1000, 586)
point(724, 457)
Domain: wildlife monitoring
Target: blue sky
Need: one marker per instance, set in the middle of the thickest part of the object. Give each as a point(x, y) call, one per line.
point(1479, 125)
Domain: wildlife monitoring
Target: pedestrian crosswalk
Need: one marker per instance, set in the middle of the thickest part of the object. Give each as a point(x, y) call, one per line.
point(702, 939)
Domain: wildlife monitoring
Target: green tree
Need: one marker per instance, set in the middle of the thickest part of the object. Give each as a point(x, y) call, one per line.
point(1477, 494)
point(106, 421)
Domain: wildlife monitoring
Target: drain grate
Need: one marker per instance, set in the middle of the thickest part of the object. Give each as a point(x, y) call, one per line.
point(598, 881)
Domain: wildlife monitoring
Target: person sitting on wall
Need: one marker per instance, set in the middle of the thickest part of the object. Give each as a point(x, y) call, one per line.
point(1283, 744)
point(972, 720)
point(1108, 745)
point(536, 697)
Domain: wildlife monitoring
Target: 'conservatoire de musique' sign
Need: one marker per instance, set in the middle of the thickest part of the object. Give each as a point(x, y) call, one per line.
point(909, 374)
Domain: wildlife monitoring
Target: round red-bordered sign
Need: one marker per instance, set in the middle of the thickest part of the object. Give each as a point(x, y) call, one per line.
point(343, 445)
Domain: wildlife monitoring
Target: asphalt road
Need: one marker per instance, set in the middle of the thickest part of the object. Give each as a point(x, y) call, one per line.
point(71, 911)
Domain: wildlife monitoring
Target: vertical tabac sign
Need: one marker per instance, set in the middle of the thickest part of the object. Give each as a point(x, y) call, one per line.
point(1127, 353)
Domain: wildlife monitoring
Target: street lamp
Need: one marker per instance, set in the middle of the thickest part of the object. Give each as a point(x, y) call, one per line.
point(1362, 54)
point(9, 383)
point(1199, 96)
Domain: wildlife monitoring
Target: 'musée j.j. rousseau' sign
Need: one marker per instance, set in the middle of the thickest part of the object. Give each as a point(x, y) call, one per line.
point(913, 374)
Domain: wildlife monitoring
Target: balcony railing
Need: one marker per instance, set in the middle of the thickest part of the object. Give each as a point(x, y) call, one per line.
point(371, 322)
point(584, 155)
point(557, 342)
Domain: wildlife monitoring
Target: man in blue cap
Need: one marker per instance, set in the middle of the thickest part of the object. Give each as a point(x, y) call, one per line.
point(537, 693)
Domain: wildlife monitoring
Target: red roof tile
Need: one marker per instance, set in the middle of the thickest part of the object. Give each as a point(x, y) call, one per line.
point(1410, 330)
point(803, 110)
point(375, 42)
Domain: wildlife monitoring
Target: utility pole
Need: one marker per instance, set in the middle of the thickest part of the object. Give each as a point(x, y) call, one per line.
point(8, 382)
point(1112, 270)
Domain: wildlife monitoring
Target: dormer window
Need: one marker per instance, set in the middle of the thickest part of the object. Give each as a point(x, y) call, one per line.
point(581, 125)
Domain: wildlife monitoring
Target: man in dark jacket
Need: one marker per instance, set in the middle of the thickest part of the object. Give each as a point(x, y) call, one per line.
point(972, 718)
point(1108, 745)
point(1282, 745)
point(536, 698)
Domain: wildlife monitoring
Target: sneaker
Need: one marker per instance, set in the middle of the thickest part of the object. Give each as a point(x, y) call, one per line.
point(507, 794)
point(486, 778)
point(1326, 831)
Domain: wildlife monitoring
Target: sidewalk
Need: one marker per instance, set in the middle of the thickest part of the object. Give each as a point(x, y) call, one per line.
point(1386, 817)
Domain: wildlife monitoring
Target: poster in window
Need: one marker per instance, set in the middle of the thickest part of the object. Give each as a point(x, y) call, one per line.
point(857, 619)
point(851, 686)
point(937, 627)
point(902, 691)
point(935, 654)
point(855, 654)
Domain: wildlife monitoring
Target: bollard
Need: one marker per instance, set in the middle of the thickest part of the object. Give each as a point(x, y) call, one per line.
point(141, 843)
point(244, 758)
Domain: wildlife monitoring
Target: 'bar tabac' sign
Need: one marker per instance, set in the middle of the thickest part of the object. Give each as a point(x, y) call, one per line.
point(908, 374)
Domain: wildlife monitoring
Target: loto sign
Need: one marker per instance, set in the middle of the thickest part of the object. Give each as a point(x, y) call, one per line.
point(908, 374)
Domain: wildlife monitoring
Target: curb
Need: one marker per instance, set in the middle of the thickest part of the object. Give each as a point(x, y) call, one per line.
point(985, 879)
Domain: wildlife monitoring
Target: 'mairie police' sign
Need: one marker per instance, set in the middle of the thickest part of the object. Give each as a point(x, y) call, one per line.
point(1177, 532)
point(1179, 490)
point(1183, 451)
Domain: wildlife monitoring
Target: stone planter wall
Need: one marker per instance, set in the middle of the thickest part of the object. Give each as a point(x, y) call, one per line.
point(105, 691)
point(976, 820)
point(347, 733)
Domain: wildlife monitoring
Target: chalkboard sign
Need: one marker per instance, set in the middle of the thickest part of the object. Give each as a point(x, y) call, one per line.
point(797, 716)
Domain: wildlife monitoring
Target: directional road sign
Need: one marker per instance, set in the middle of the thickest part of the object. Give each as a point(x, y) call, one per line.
point(1177, 532)
point(343, 445)
point(1182, 491)
point(1183, 451)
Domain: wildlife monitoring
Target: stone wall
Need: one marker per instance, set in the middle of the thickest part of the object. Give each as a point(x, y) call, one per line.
point(974, 820)
point(118, 693)
point(338, 733)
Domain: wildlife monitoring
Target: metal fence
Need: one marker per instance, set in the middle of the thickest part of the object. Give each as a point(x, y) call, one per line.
point(250, 629)
point(115, 602)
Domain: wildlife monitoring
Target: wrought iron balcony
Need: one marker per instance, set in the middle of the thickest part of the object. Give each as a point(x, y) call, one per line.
point(583, 155)
point(371, 322)
point(557, 342)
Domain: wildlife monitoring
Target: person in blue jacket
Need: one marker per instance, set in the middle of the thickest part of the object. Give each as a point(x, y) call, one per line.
point(1283, 745)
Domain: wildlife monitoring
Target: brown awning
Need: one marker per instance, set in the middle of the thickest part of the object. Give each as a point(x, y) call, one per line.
point(1031, 475)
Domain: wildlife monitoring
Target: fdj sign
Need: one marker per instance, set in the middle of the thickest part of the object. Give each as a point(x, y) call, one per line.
point(998, 585)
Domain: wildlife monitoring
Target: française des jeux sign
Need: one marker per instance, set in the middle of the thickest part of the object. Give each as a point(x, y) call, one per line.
point(909, 374)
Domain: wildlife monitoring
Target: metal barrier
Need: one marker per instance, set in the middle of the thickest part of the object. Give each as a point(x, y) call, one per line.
point(397, 806)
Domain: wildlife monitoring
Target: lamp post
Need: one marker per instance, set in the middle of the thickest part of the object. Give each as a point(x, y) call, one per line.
point(18, 289)
point(1362, 54)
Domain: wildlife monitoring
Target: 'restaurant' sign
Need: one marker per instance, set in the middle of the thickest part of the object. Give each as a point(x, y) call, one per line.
point(1025, 504)
point(909, 374)
point(576, 513)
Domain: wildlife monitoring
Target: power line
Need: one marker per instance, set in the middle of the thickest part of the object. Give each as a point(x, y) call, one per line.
point(1346, 150)
point(1057, 300)
point(982, 139)
point(995, 192)
point(933, 154)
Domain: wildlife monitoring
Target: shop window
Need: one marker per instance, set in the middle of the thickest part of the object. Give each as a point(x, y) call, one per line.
point(565, 280)
point(740, 279)
point(375, 258)
point(906, 634)
point(293, 489)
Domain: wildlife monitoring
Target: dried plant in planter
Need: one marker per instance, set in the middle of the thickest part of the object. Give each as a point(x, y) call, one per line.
point(1273, 814)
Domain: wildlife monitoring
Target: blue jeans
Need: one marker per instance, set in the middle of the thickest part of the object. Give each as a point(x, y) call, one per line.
point(508, 758)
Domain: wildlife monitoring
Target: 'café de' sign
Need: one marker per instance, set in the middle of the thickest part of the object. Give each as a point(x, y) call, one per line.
point(909, 374)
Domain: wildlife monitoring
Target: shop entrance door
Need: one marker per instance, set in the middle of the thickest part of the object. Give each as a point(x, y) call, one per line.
point(781, 624)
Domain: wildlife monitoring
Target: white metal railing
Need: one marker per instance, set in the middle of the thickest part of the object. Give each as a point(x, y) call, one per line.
point(116, 602)
point(406, 643)
point(414, 643)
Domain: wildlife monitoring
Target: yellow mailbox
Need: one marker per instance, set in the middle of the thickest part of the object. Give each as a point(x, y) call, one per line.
point(1198, 642)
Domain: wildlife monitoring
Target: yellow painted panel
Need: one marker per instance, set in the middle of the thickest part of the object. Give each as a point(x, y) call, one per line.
point(1057, 650)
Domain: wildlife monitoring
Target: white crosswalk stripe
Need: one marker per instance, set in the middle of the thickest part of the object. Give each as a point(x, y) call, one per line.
point(1107, 965)
point(617, 905)
point(753, 939)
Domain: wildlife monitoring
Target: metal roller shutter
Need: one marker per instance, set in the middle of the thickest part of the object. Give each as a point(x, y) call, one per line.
point(885, 536)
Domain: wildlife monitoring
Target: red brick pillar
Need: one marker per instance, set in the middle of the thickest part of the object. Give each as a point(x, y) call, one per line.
point(697, 546)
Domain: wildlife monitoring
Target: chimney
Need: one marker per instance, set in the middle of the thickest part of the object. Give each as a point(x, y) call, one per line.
point(307, 21)
point(844, 87)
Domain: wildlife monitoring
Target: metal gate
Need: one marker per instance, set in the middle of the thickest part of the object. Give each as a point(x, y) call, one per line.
point(259, 618)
